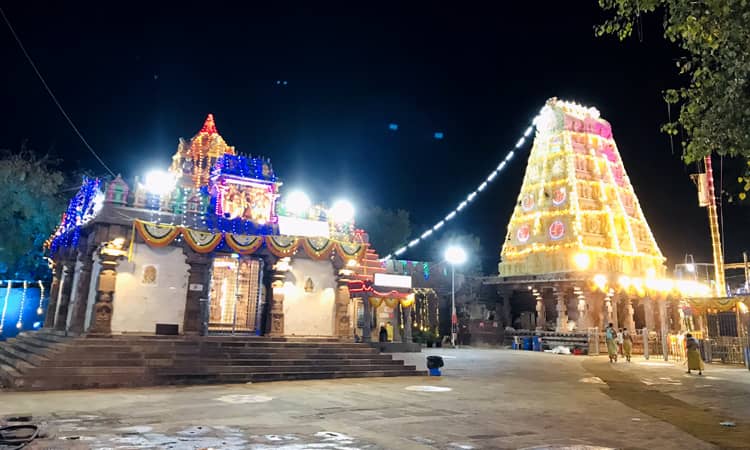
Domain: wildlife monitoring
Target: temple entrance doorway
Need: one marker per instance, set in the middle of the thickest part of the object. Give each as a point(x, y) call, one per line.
point(234, 295)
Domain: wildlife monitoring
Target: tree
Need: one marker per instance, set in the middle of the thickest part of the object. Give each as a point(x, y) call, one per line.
point(30, 207)
point(471, 245)
point(714, 106)
point(388, 229)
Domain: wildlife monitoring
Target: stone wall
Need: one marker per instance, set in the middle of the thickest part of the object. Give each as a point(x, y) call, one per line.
point(150, 289)
point(309, 313)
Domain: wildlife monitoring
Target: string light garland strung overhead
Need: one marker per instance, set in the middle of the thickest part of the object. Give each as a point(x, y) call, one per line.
point(469, 198)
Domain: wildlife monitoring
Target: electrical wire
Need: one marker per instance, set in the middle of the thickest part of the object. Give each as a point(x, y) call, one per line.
point(10, 436)
point(51, 94)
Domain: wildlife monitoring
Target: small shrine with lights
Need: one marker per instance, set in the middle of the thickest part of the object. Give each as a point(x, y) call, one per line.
point(578, 244)
point(211, 246)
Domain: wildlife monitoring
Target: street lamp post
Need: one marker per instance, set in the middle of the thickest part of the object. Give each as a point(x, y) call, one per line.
point(454, 255)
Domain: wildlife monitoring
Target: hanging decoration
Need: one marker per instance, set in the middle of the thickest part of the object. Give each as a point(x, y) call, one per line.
point(282, 246)
point(19, 324)
point(318, 248)
point(426, 270)
point(157, 235)
point(5, 306)
point(40, 310)
point(469, 198)
point(201, 241)
point(352, 250)
point(243, 244)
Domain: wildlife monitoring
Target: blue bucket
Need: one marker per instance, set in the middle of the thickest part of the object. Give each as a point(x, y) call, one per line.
point(434, 372)
point(527, 343)
point(537, 344)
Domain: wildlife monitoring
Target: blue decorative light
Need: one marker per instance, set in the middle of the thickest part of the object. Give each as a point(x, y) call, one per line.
point(81, 209)
point(243, 166)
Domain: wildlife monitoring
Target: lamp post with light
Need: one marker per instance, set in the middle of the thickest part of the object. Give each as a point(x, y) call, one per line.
point(454, 255)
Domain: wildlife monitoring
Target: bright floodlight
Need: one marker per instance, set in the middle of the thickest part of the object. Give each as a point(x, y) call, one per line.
point(690, 267)
point(159, 182)
point(342, 211)
point(455, 255)
point(297, 202)
point(582, 261)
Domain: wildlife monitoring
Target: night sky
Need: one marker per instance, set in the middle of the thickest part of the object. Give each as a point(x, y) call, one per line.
point(135, 80)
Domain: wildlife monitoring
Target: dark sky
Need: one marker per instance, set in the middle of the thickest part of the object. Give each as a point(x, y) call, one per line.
point(135, 79)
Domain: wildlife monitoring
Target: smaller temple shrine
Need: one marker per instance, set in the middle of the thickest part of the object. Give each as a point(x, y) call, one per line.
point(212, 246)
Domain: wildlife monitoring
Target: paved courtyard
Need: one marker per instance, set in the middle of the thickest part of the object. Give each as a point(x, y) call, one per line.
point(493, 399)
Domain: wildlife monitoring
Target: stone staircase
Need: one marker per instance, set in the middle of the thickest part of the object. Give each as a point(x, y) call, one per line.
point(47, 359)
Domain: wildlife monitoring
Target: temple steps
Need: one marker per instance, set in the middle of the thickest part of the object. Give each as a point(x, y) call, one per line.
point(48, 359)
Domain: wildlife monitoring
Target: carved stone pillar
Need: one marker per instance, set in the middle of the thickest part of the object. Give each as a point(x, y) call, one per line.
point(616, 312)
point(366, 318)
point(198, 280)
point(541, 314)
point(80, 302)
point(54, 292)
point(277, 304)
point(561, 324)
point(583, 320)
point(628, 321)
point(341, 320)
point(608, 315)
point(407, 325)
point(648, 312)
point(105, 291)
point(61, 318)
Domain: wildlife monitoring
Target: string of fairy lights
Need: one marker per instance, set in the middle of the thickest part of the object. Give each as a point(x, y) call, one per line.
point(469, 198)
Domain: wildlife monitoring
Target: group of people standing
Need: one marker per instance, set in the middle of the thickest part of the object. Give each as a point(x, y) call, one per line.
point(618, 342)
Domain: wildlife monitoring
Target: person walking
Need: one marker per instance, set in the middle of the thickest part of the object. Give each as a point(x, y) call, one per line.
point(694, 361)
point(627, 344)
point(610, 334)
point(619, 342)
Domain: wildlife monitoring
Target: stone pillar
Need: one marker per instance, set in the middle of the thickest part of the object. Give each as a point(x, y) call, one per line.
point(80, 302)
point(664, 326)
point(341, 312)
point(61, 318)
point(407, 325)
point(198, 280)
point(628, 321)
point(616, 311)
point(561, 325)
point(105, 291)
point(366, 318)
point(583, 319)
point(541, 313)
point(608, 315)
point(648, 312)
point(54, 292)
point(277, 304)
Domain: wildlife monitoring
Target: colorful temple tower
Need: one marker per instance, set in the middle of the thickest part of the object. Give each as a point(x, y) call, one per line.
point(577, 210)
point(577, 240)
point(193, 161)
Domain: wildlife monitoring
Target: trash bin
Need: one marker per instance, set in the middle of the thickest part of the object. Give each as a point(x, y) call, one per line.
point(537, 343)
point(527, 343)
point(434, 363)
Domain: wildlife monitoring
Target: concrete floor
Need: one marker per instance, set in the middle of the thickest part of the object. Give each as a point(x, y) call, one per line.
point(494, 399)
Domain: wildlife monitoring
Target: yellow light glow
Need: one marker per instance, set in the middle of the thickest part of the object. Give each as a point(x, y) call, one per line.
point(600, 281)
point(742, 307)
point(624, 282)
point(651, 272)
point(582, 260)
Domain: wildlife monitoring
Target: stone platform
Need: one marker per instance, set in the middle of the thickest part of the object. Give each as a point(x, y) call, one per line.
point(47, 360)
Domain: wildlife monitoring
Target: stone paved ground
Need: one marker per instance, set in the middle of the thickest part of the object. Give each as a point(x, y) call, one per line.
point(494, 399)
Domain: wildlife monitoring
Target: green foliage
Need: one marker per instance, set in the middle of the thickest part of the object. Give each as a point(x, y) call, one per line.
point(471, 245)
point(30, 208)
point(714, 106)
point(387, 229)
